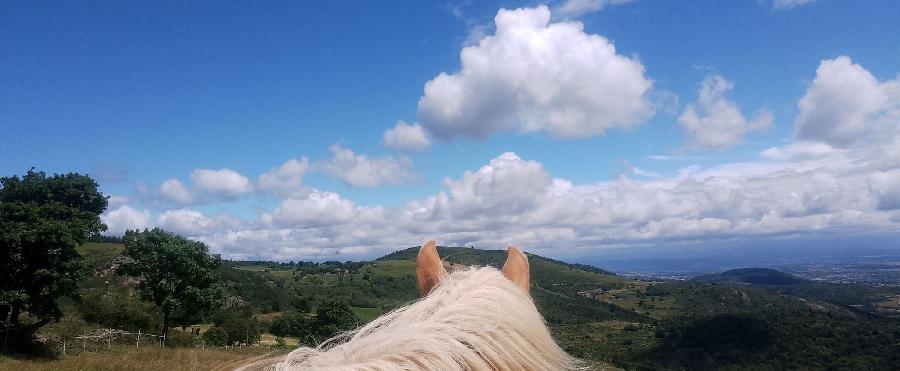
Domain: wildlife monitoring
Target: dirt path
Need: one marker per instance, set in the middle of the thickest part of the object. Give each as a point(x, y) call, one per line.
point(260, 362)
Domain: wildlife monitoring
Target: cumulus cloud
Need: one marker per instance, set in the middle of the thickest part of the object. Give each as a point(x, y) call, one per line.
point(124, 218)
point(533, 75)
point(788, 4)
point(185, 222)
point(577, 8)
point(714, 122)
point(845, 103)
point(285, 180)
point(796, 189)
point(406, 137)
point(505, 185)
point(318, 209)
point(362, 171)
point(114, 201)
point(224, 183)
point(806, 188)
point(173, 190)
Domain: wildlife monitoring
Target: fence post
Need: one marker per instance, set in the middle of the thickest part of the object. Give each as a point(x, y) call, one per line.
point(64, 347)
point(164, 340)
point(138, 345)
point(108, 343)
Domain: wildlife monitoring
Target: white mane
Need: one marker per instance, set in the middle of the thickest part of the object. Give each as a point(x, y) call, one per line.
point(475, 319)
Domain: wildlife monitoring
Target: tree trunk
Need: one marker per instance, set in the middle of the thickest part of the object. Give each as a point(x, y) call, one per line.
point(165, 329)
point(14, 316)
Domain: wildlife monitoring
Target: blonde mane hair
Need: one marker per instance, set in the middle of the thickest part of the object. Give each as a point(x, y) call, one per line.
point(471, 319)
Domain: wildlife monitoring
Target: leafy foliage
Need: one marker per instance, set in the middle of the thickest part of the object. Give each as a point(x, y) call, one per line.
point(175, 273)
point(332, 317)
point(293, 324)
point(42, 221)
point(216, 336)
point(240, 326)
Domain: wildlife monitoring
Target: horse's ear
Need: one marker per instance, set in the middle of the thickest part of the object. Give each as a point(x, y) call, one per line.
point(516, 268)
point(429, 268)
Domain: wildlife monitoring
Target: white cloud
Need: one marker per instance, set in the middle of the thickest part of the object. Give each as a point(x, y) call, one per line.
point(845, 103)
point(406, 137)
point(223, 183)
point(533, 75)
point(803, 190)
point(185, 222)
point(506, 184)
point(798, 150)
point(124, 218)
point(363, 171)
point(886, 186)
point(577, 8)
point(115, 201)
point(316, 210)
point(285, 180)
point(714, 122)
point(788, 4)
point(173, 190)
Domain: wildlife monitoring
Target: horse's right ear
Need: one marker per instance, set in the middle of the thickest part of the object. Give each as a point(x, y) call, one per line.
point(429, 268)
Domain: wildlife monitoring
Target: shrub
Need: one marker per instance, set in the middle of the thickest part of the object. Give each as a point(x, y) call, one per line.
point(241, 326)
point(216, 336)
point(279, 343)
point(118, 310)
point(294, 324)
point(178, 338)
point(333, 317)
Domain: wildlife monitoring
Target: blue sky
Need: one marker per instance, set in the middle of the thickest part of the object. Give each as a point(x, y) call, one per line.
point(137, 94)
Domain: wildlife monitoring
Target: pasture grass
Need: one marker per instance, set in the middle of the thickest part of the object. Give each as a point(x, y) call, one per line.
point(366, 314)
point(145, 358)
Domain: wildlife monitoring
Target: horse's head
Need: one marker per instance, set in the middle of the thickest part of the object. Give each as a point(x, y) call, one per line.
point(430, 269)
point(477, 318)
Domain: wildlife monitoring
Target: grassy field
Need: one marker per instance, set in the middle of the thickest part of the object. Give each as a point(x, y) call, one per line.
point(145, 358)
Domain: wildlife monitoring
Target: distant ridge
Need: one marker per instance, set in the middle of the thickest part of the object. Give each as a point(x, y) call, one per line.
point(755, 276)
point(474, 256)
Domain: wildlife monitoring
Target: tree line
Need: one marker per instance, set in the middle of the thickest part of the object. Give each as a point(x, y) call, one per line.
point(45, 218)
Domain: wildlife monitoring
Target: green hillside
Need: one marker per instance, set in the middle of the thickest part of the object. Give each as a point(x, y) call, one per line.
point(879, 300)
point(711, 323)
point(757, 276)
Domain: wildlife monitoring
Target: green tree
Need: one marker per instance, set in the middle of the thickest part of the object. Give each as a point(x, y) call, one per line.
point(216, 336)
point(239, 324)
point(334, 316)
point(175, 273)
point(42, 221)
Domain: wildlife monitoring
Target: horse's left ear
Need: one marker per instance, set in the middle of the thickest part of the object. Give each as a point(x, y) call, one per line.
point(516, 268)
point(429, 268)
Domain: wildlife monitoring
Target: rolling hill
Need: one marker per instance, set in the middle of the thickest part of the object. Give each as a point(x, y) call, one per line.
point(877, 300)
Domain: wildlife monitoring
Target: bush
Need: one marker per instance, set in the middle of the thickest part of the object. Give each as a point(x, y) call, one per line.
point(178, 338)
point(215, 336)
point(333, 317)
point(294, 324)
point(241, 326)
point(280, 343)
point(301, 304)
point(118, 310)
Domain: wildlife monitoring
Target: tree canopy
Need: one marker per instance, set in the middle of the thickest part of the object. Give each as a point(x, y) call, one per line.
point(174, 273)
point(42, 221)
